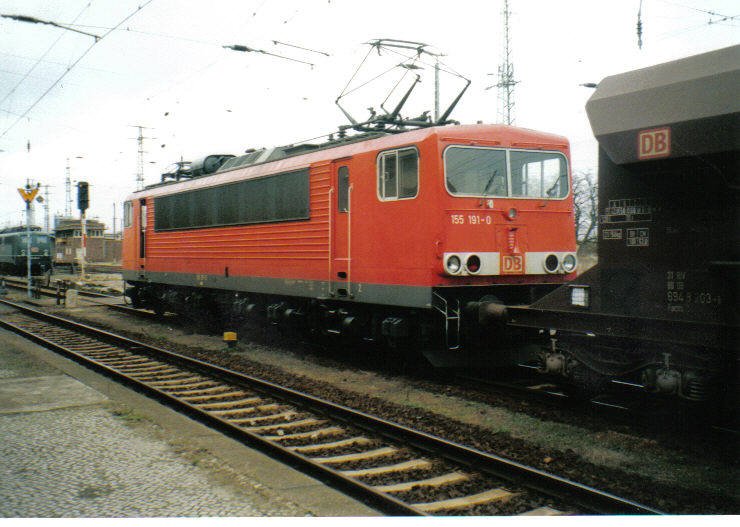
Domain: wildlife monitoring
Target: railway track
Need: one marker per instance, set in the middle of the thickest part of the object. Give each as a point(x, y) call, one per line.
point(538, 388)
point(94, 297)
point(19, 283)
point(394, 468)
point(90, 268)
point(533, 387)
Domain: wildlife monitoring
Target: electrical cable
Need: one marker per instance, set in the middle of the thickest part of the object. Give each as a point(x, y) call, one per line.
point(84, 54)
point(276, 42)
point(713, 13)
point(41, 58)
point(688, 29)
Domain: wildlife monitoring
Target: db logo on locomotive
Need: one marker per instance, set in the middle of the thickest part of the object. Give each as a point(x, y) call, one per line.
point(512, 264)
point(654, 143)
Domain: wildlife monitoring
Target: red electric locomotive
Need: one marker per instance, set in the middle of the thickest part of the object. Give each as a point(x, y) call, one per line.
point(399, 237)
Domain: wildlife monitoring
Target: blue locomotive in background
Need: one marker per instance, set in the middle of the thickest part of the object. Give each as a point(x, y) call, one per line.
point(14, 247)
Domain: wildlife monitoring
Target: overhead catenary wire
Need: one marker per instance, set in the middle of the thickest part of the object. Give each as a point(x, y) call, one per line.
point(722, 18)
point(277, 42)
point(706, 11)
point(34, 20)
point(171, 37)
point(247, 49)
point(175, 37)
point(688, 29)
point(84, 54)
point(40, 59)
point(118, 28)
point(57, 63)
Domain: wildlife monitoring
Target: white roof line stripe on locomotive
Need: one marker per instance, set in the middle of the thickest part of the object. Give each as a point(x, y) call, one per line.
point(301, 161)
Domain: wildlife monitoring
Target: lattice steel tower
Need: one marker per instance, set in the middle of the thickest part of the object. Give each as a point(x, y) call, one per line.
point(140, 157)
point(47, 219)
point(67, 192)
point(506, 80)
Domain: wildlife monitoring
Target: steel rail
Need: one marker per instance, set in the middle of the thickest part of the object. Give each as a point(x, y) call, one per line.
point(586, 497)
point(383, 502)
point(51, 291)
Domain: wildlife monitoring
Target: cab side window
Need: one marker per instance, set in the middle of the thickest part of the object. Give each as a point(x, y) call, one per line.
point(343, 189)
point(127, 214)
point(398, 174)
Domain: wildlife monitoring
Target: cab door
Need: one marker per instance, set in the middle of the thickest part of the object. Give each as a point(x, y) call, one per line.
point(341, 245)
point(140, 226)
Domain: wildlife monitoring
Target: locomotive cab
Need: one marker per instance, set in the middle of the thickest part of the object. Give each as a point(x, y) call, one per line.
point(506, 234)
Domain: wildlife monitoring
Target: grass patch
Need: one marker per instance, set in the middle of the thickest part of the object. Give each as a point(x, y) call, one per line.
point(128, 415)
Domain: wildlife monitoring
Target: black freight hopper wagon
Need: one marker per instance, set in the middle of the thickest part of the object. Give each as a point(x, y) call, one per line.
point(660, 309)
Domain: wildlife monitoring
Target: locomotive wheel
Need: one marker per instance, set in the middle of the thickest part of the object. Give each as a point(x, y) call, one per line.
point(585, 384)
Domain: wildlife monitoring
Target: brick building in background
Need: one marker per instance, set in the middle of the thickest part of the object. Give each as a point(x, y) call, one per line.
point(101, 247)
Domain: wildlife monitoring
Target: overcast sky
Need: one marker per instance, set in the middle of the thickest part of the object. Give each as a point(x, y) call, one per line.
point(165, 68)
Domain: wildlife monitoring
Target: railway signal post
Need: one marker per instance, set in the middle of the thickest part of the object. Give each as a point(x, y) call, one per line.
point(83, 201)
point(28, 194)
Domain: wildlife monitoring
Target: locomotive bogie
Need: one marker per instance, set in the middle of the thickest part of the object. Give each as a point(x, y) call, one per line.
point(226, 310)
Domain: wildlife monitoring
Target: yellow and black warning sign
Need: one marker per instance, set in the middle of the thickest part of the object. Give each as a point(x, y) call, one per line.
point(28, 193)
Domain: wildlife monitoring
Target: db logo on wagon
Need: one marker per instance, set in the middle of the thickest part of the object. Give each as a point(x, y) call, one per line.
point(512, 264)
point(654, 143)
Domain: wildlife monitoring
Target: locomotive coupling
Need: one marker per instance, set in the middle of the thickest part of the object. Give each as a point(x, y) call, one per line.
point(489, 313)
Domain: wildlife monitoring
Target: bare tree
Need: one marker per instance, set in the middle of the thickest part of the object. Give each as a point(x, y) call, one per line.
point(585, 198)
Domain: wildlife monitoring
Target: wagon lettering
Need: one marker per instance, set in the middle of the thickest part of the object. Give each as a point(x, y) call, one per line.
point(654, 143)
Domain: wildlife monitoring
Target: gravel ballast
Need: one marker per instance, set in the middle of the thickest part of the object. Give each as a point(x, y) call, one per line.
point(680, 473)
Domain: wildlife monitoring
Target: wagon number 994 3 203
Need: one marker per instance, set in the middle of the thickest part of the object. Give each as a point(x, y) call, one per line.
point(471, 219)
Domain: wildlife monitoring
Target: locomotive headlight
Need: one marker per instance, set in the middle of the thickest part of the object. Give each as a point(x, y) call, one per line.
point(453, 264)
point(552, 263)
point(472, 264)
point(511, 214)
point(569, 263)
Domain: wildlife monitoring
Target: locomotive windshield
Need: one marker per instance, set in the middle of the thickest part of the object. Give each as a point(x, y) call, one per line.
point(481, 172)
point(35, 238)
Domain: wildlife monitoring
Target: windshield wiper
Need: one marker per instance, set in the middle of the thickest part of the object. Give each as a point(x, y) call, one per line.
point(551, 191)
point(490, 182)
